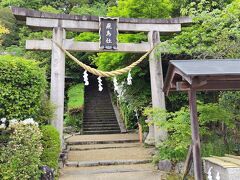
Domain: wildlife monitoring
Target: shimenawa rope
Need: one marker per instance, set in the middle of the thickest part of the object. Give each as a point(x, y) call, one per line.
point(105, 73)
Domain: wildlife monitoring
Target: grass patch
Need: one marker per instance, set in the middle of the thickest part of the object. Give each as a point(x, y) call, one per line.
point(76, 97)
point(74, 114)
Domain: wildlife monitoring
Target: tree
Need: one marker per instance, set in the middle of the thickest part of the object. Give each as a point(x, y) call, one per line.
point(214, 34)
point(35, 4)
point(141, 9)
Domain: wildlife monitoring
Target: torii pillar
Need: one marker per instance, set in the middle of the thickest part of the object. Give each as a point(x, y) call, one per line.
point(156, 134)
point(58, 79)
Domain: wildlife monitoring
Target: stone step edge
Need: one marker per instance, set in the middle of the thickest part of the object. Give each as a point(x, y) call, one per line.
point(103, 142)
point(96, 148)
point(105, 163)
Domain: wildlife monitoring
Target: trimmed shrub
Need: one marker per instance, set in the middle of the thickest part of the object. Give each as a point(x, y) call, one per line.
point(51, 146)
point(20, 158)
point(22, 87)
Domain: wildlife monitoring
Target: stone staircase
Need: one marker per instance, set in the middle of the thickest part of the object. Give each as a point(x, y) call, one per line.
point(108, 157)
point(99, 116)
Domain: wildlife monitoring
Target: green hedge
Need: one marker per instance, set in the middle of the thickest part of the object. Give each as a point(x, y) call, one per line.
point(51, 146)
point(22, 86)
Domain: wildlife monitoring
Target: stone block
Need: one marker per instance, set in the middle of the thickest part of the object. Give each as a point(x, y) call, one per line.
point(165, 165)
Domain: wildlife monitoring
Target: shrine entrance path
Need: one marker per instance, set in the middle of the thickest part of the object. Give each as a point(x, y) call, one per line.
point(108, 157)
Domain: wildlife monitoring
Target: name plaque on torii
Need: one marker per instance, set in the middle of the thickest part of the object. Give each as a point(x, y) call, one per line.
point(108, 32)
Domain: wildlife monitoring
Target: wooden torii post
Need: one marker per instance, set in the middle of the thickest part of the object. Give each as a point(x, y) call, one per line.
point(59, 23)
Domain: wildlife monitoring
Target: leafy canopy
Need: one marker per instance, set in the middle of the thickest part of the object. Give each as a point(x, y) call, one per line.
point(141, 9)
point(214, 34)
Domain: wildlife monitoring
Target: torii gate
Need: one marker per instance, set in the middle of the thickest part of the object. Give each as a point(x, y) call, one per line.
point(59, 23)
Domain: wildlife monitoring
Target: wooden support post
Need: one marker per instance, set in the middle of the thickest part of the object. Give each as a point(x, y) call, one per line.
point(188, 162)
point(158, 99)
point(58, 79)
point(195, 135)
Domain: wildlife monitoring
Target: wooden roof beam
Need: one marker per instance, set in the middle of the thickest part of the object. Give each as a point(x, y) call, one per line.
point(207, 86)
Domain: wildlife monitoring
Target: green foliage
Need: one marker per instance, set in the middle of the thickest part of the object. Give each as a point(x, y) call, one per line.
point(20, 159)
point(8, 21)
point(76, 97)
point(214, 34)
point(96, 9)
point(141, 9)
point(46, 111)
point(50, 9)
point(178, 126)
point(87, 37)
point(176, 100)
point(21, 3)
point(22, 87)
point(230, 101)
point(75, 104)
point(198, 6)
point(51, 146)
point(122, 38)
point(212, 113)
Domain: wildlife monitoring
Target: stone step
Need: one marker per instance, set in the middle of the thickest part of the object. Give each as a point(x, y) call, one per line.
point(89, 112)
point(101, 120)
point(118, 154)
point(107, 111)
point(105, 121)
point(100, 125)
point(116, 172)
point(102, 142)
point(97, 123)
point(106, 162)
point(109, 169)
point(103, 139)
point(100, 128)
point(99, 115)
point(89, 124)
point(101, 131)
point(103, 146)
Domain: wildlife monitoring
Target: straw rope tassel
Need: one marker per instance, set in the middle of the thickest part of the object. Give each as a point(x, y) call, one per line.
point(105, 73)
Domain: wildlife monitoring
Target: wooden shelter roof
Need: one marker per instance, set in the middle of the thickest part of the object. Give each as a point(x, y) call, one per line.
point(206, 75)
